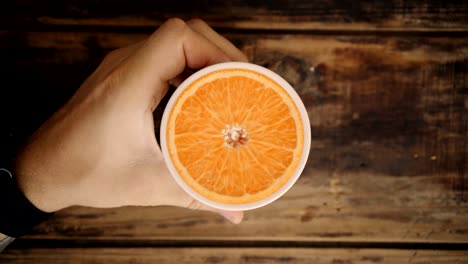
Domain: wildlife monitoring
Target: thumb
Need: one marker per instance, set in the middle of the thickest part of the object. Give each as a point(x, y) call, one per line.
point(234, 217)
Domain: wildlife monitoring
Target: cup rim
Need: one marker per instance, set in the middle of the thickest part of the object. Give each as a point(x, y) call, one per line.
point(281, 82)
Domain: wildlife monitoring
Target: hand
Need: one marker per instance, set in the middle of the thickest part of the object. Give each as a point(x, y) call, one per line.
point(100, 149)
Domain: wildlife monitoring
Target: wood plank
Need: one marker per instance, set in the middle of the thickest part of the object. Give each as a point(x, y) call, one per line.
point(242, 14)
point(229, 255)
point(389, 138)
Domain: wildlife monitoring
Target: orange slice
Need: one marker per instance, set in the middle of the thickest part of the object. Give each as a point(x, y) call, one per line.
point(235, 135)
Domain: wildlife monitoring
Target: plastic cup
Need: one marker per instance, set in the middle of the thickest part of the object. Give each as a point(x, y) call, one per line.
point(286, 186)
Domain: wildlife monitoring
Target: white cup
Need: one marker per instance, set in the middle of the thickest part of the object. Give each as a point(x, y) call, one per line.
point(286, 186)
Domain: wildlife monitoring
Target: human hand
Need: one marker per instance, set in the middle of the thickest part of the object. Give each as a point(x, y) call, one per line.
point(100, 149)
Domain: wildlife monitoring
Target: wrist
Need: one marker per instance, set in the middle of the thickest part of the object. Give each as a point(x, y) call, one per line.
point(20, 214)
point(35, 182)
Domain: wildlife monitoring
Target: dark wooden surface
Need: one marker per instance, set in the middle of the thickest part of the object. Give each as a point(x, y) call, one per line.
point(386, 88)
point(233, 255)
point(397, 15)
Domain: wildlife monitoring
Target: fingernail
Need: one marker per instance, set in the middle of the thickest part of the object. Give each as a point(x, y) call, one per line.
point(234, 217)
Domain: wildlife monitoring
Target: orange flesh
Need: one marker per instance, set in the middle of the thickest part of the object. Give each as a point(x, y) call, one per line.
point(252, 170)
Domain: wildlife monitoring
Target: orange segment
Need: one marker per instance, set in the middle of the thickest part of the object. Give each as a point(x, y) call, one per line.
point(235, 136)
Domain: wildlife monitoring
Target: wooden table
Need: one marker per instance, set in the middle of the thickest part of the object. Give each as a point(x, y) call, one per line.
point(386, 87)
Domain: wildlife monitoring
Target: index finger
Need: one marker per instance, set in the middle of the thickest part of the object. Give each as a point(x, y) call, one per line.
point(168, 51)
point(221, 42)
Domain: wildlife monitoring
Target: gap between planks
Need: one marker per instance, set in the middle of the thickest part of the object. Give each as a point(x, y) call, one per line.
point(109, 243)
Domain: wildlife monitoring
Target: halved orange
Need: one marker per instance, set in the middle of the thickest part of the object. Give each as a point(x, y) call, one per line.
point(235, 134)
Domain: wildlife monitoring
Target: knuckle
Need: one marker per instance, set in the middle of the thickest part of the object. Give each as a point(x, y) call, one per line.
point(174, 27)
point(174, 23)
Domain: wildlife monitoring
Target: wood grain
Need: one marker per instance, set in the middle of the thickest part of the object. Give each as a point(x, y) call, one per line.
point(389, 137)
point(230, 255)
point(297, 15)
